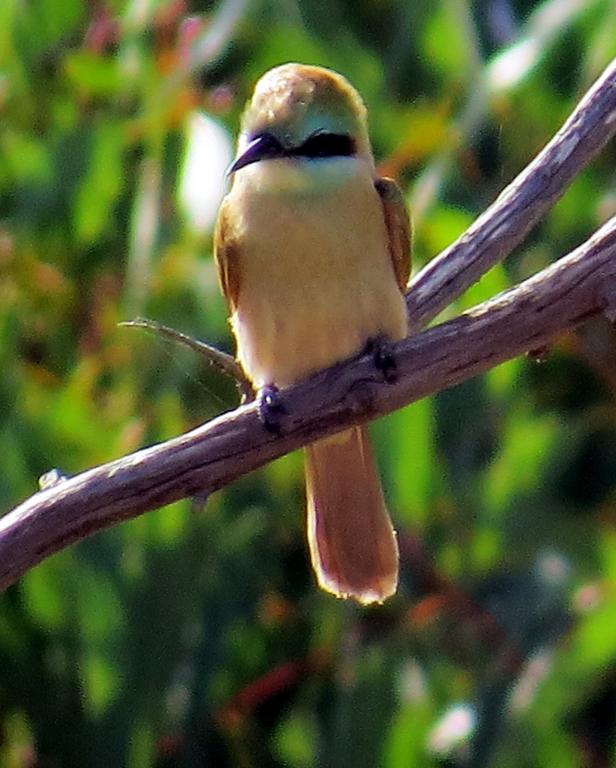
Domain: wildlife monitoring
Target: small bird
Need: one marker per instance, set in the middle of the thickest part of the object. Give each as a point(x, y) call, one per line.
point(313, 257)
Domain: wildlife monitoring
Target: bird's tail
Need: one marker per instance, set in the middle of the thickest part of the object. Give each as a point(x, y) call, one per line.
point(352, 542)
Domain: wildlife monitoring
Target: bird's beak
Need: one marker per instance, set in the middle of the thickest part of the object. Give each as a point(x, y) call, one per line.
point(264, 147)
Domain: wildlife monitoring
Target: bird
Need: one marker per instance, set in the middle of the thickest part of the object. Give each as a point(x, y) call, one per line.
point(313, 257)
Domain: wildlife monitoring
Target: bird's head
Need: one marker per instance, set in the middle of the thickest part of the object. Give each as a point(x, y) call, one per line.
point(309, 117)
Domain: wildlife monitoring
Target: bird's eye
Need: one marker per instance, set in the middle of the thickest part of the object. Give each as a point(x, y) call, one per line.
point(269, 146)
point(327, 145)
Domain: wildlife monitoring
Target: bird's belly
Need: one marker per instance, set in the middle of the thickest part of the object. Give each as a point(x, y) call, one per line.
point(313, 292)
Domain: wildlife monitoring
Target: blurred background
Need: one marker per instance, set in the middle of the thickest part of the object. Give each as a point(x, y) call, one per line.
point(191, 638)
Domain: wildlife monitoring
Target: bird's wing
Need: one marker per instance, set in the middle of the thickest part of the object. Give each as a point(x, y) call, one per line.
point(398, 228)
point(226, 256)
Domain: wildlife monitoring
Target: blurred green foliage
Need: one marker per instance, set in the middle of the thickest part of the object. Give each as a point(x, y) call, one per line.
point(191, 639)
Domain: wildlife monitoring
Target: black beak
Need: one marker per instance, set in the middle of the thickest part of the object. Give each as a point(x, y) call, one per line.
point(263, 147)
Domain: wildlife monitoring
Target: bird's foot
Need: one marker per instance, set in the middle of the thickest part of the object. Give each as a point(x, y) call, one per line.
point(270, 407)
point(384, 359)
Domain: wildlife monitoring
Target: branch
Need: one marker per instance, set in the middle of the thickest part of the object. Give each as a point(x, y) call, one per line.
point(199, 462)
point(520, 206)
point(525, 318)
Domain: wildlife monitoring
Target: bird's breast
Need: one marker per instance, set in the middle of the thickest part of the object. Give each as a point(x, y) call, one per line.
point(316, 280)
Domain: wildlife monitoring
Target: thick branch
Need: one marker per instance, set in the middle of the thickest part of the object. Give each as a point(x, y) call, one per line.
point(520, 206)
point(528, 317)
point(209, 457)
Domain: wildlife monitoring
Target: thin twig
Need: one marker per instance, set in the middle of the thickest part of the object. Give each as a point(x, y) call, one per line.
point(225, 363)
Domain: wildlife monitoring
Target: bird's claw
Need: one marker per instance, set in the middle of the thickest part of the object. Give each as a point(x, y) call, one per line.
point(270, 407)
point(384, 359)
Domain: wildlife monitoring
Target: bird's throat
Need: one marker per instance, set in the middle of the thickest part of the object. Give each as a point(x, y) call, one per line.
point(300, 176)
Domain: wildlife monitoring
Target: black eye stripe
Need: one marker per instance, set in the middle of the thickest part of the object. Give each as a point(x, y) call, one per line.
point(326, 145)
point(265, 146)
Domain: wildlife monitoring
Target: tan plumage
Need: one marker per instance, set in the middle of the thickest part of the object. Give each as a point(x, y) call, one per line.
point(313, 259)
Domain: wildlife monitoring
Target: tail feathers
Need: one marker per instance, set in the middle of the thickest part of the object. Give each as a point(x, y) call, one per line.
point(352, 542)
